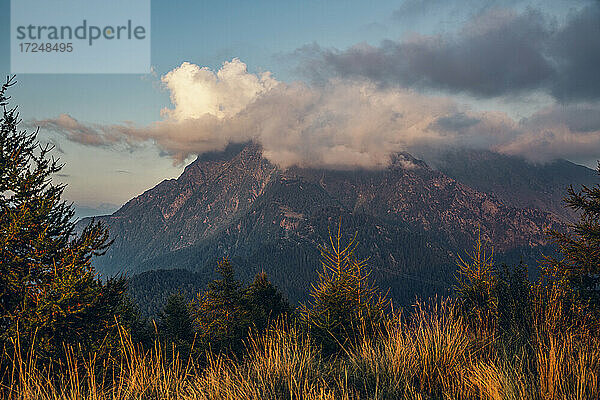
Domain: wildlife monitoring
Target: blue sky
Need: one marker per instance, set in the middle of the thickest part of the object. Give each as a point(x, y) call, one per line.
point(267, 36)
point(206, 33)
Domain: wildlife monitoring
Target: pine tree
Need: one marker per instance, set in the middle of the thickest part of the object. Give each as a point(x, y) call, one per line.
point(48, 288)
point(476, 282)
point(494, 299)
point(514, 294)
point(344, 304)
point(579, 267)
point(177, 324)
point(264, 303)
point(221, 317)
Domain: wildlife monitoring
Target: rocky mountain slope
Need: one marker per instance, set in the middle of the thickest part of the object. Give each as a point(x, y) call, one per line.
point(515, 181)
point(411, 221)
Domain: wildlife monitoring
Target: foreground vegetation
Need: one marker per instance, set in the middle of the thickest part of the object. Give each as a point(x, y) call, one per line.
point(433, 353)
point(66, 334)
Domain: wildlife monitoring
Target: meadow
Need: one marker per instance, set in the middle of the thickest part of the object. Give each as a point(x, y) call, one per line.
point(431, 352)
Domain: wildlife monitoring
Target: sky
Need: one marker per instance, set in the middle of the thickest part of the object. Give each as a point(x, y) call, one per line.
point(335, 84)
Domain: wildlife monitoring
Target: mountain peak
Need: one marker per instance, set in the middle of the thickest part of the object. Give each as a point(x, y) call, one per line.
point(236, 203)
point(406, 161)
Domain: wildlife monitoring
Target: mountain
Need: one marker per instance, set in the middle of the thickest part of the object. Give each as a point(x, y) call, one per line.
point(515, 181)
point(411, 220)
point(82, 211)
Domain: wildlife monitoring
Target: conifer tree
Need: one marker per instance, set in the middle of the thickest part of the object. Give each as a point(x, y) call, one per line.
point(476, 282)
point(220, 315)
point(494, 299)
point(226, 312)
point(579, 267)
point(177, 323)
point(264, 302)
point(48, 288)
point(344, 304)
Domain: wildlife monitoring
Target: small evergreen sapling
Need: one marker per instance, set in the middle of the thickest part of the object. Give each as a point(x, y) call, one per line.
point(344, 304)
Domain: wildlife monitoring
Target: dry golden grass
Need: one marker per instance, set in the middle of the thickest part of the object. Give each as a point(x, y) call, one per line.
point(431, 354)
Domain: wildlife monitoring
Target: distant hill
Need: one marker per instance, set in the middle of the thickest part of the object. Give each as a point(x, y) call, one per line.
point(150, 289)
point(411, 220)
point(83, 211)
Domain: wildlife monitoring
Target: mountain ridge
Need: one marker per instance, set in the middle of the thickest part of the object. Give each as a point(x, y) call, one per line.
point(540, 186)
point(413, 220)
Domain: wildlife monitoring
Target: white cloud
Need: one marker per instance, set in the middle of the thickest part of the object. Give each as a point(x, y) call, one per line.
point(341, 124)
point(197, 91)
point(558, 131)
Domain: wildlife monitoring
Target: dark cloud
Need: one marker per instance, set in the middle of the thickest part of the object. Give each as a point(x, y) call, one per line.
point(498, 52)
point(577, 118)
point(456, 122)
point(410, 9)
point(576, 50)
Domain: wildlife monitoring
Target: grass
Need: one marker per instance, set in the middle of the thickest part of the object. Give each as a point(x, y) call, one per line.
point(430, 353)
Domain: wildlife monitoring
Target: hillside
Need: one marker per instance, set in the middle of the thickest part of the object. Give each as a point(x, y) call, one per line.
point(411, 219)
point(515, 181)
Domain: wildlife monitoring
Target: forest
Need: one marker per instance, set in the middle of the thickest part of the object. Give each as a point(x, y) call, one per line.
point(66, 333)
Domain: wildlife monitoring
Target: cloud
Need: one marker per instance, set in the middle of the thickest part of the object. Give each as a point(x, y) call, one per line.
point(196, 91)
point(411, 9)
point(576, 50)
point(497, 52)
point(75, 131)
point(339, 125)
point(456, 122)
point(580, 118)
point(558, 131)
point(342, 123)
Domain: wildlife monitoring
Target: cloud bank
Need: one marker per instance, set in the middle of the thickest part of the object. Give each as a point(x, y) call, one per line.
point(498, 52)
point(342, 123)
